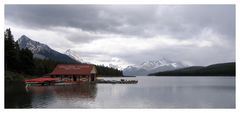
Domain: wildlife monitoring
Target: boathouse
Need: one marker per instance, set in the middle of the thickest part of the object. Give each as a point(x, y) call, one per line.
point(75, 72)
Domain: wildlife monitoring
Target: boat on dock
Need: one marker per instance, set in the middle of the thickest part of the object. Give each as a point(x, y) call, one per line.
point(42, 81)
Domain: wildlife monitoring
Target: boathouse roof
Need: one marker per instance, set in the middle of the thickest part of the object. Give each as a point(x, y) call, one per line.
point(74, 69)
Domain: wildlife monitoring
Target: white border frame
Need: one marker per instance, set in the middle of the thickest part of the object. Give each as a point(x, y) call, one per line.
point(164, 2)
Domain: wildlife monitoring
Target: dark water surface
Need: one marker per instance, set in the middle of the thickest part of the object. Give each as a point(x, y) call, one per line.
point(150, 92)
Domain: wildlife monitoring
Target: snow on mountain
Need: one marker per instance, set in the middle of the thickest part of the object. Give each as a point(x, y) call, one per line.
point(134, 71)
point(73, 55)
point(149, 65)
point(153, 66)
point(115, 66)
point(43, 51)
point(34, 46)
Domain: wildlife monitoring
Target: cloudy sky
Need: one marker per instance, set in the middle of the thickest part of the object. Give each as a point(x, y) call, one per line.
point(130, 34)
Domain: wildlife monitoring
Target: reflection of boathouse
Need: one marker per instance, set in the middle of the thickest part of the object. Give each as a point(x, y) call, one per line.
point(86, 90)
point(75, 72)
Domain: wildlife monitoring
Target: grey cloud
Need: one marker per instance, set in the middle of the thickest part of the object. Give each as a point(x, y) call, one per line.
point(79, 38)
point(45, 16)
point(145, 20)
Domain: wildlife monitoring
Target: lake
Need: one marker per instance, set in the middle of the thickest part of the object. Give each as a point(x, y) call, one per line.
point(149, 92)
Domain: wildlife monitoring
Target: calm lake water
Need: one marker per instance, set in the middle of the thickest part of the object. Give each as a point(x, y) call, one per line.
point(149, 92)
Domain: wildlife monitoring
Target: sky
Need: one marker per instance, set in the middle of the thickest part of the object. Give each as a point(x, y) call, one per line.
point(130, 34)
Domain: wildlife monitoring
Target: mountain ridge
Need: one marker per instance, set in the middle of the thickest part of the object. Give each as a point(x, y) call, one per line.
point(152, 66)
point(43, 51)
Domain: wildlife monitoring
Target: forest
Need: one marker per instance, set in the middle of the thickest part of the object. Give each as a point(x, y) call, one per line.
point(221, 69)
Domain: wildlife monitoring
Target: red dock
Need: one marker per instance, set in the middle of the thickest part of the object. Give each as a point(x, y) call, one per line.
point(41, 80)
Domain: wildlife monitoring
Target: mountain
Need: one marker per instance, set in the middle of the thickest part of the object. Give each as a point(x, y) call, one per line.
point(115, 66)
point(74, 55)
point(222, 69)
point(43, 51)
point(152, 66)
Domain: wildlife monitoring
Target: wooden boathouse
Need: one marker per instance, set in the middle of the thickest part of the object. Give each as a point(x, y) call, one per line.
point(75, 72)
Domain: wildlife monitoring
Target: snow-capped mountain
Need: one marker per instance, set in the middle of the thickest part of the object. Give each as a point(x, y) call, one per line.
point(43, 51)
point(149, 65)
point(153, 66)
point(134, 71)
point(73, 55)
point(115, 66)
point(35, 47)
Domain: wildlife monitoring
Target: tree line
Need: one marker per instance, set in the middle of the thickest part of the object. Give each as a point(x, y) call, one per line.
point(222, 69)
point(108, 71)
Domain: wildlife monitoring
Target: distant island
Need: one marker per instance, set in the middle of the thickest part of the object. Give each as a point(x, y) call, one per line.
point(222, 69)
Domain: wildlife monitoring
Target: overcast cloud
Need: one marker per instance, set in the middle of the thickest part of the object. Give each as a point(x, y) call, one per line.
point(130, 34)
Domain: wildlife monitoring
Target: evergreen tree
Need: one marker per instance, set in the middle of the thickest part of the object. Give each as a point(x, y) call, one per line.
point(10, 50)
point(108, 71)
point(44, 66)
point(26, 61)
point(17, 49)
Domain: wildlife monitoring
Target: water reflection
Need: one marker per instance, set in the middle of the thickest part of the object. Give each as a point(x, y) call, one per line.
point(16, 96)
point(60, 96)
point(150, 92)
point(76, 91)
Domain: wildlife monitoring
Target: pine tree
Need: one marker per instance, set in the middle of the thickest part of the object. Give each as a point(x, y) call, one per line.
point(10, 50)
point(26, 61)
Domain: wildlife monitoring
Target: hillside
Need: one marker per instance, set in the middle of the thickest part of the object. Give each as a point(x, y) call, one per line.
point(43, 51)
point(223, 69)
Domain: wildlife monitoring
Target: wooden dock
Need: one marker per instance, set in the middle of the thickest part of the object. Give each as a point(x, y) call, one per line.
point(45, 81)
point(122, 81)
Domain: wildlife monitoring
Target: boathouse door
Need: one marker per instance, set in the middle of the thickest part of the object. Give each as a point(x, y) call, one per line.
point(74, 78)
point(92, 77)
